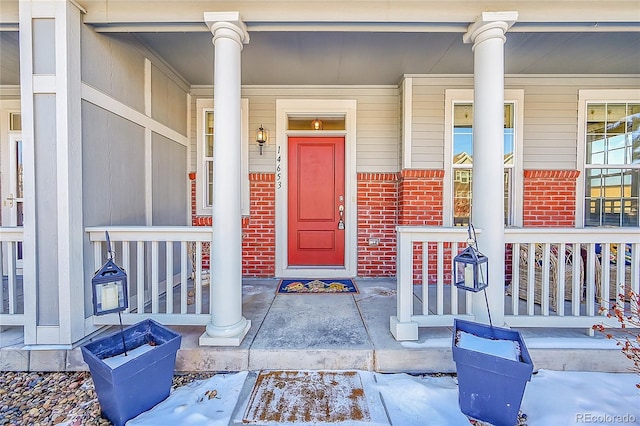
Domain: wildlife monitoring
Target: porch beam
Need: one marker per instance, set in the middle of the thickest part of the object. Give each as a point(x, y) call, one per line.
point(368, 27)
point(488, 35)
point(227, 327)
point(365, 15)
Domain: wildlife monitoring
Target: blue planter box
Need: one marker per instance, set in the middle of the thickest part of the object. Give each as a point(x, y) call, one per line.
point(142, 382)
point(490, 387)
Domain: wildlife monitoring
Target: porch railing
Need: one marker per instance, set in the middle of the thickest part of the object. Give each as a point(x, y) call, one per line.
point(164, 272)
point(556, 277)
point(11, 283)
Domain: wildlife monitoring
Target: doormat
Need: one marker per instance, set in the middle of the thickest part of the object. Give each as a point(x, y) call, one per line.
point(316, 286)
point(307, 397)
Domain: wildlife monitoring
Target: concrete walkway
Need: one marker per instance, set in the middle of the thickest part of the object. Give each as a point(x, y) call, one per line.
point(332, 332)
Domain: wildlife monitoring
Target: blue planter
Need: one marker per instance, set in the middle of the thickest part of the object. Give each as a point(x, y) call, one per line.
point(490, 387)
point(142, 382)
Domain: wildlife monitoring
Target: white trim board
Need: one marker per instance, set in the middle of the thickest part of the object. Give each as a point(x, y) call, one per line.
point(514, 96)
point(206, 104)
point(98, 98)
point(585, 96)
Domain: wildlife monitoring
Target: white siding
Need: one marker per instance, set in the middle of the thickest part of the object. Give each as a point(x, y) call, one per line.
point(550, 116)
point(550, 119)
point(378, 123)
point(427, 134)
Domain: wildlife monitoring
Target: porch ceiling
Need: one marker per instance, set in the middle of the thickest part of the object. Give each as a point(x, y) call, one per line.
point(373, 58)
point(337, 58)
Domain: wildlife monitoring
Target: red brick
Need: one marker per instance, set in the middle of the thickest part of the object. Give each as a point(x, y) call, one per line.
point(549, 198)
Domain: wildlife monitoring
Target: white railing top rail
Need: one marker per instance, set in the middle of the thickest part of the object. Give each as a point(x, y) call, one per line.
point(11, 233)
point(151, 233)
point(572, 235)
point(542, 235)
point(436, 234)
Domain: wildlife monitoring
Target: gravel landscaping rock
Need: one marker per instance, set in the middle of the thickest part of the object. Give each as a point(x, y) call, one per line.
point(60, 398)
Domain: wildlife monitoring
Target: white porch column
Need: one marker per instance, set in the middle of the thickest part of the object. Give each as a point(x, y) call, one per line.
point(227, 327)
point(488, 35)
point(50, 84)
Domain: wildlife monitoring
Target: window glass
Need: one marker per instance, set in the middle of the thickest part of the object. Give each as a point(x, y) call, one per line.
point(463, 161)
point(208, 158)
point(509, 133)
point(208, 135)
point(612, 139)
point(204, 161)
point(316, 123)
point(15, 121)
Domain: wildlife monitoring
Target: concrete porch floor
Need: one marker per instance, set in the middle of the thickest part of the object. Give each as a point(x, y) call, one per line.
point(332, 332)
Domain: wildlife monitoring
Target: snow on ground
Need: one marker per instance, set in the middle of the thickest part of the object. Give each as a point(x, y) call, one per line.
point(551, 398)
point(204, 403)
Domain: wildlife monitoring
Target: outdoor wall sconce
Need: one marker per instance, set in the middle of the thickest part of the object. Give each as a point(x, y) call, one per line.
point(109, 287)
point(262, 138)
point(317, 124)
point(470, 267)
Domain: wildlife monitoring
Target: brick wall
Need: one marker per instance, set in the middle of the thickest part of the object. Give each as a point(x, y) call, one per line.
point(200, 221)
point(420, 203)
point(259, 229)
point(549, 198)
point(411, 197)
point(258, 244)
point(377, 218)
point(549, 201)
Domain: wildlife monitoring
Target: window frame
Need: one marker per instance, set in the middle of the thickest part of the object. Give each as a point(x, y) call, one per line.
point(585, 97)
point(458, 96)
point(204, 105)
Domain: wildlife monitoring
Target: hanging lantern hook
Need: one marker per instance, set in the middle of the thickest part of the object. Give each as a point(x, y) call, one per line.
point(110, 253)
point(471, 240)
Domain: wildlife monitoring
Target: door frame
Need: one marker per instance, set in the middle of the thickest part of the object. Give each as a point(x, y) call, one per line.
point(7, 139)
point(312, 108)
point(6, 107)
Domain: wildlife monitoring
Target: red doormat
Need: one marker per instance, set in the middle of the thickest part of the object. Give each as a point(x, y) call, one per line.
point(314, 397)
point(316, 286)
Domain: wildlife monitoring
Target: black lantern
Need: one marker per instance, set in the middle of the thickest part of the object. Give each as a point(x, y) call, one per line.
point(109, 287)
point(262, 137)
point(470, 267)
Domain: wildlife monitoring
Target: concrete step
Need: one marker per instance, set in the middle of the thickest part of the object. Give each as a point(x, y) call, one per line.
point(336, 332)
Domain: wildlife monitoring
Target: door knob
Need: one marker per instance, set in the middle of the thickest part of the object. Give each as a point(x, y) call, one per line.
point(9, 200)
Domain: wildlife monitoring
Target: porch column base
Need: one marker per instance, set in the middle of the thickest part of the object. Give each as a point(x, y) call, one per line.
point(403, 330)
point(225, 336)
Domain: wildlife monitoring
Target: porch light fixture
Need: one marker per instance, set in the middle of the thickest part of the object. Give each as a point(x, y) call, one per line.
point(470, 267)
point(317, 124)
point(262, 137)
point(109, 287)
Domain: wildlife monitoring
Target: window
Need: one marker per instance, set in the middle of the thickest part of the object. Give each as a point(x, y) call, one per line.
point(207, 157)
point(459, 157)
point(612, 163)
point(204, 148)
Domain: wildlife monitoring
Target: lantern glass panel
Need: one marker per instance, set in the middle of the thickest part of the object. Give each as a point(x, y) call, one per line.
point(110, 295)
point(470, 270)
point(109, 288)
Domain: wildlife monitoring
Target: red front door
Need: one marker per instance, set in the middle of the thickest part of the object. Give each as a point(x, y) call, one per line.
point(316, 195)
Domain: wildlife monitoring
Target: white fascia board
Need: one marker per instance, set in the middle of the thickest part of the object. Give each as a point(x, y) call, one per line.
point(360, 16)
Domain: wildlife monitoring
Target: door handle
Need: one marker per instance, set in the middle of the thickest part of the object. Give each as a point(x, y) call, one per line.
point(9, 200)
point(341, 213)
